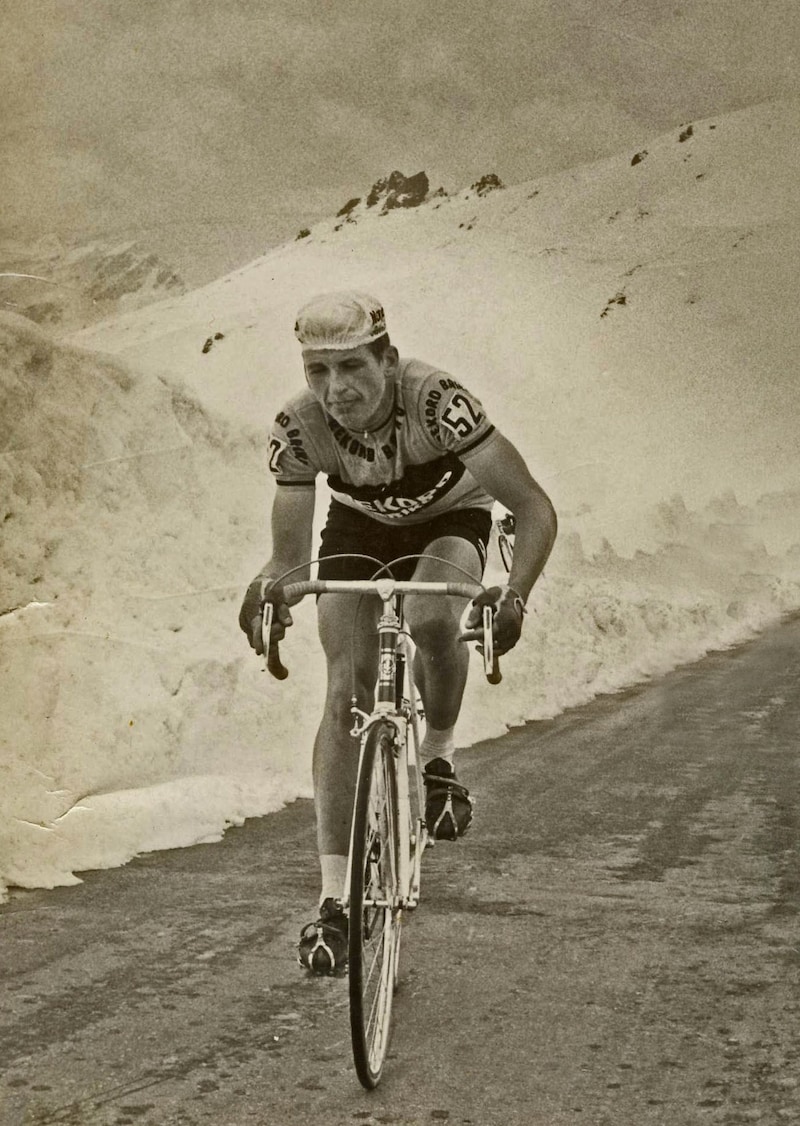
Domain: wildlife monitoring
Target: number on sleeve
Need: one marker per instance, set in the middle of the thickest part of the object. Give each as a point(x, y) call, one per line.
point(276, 448)
point(460, 415)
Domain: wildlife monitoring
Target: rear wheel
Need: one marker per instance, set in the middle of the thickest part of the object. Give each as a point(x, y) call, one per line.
point(374, 942)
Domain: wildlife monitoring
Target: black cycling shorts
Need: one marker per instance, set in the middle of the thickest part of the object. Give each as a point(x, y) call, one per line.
point(349, 532)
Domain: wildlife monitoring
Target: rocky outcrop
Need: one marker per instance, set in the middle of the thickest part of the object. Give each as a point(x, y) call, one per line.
point(351, 205)
point(388, 194)
point(486, 184)
point(398, 190)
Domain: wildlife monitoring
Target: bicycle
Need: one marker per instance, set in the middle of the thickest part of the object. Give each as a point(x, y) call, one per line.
point(388, 831)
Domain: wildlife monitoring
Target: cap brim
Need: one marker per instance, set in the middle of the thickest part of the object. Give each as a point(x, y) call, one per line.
point(321, 346)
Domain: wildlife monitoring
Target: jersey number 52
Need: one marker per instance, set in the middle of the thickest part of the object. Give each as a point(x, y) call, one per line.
point(459, 415)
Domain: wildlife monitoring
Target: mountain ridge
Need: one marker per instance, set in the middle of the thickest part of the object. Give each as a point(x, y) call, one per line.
point(66, 288)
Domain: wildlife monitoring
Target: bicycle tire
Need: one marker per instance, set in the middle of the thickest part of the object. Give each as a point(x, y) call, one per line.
point(375, 918)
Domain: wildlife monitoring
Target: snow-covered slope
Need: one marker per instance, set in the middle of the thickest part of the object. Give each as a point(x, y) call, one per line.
point(631, 325)
point(641, 310)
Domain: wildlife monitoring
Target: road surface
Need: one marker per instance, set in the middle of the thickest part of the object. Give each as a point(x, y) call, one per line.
point(615, 943)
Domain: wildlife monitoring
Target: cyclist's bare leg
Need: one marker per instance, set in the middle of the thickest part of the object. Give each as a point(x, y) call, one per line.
point(442, 661)
point(347, 630)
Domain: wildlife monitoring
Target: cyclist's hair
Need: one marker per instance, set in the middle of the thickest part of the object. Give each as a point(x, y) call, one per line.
point(380, 346)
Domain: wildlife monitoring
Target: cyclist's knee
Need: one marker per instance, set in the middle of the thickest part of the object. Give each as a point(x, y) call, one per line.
point(434, 629)
point(345, 681)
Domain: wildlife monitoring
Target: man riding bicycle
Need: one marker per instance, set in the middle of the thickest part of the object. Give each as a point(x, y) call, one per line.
point(414, 466)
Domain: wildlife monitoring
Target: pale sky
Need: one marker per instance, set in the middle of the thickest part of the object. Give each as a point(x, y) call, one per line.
point(209, 128)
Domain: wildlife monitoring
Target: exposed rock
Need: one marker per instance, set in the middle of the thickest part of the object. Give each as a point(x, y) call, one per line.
point(348, 207)
point(398, 190)
point(486, 184)
point(209, 344)
point(618, 299)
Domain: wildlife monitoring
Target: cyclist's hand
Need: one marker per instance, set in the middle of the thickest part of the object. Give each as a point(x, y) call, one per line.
point(261, 590)
point(507, 620)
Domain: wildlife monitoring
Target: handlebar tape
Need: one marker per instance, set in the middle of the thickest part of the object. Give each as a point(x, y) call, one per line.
point(274, 664)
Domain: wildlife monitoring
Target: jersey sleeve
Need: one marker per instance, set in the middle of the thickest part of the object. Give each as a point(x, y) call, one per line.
point(453, 416)
point(291, 455)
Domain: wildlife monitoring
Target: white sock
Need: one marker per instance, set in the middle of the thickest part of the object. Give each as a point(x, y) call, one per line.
point(438, 744)
point(334, 871)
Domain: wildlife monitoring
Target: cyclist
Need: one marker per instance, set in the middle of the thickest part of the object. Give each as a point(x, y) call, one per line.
point(414, 466)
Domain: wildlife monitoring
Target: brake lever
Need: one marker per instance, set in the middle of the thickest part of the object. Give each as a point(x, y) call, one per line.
point(273, 664)
point(491, 661)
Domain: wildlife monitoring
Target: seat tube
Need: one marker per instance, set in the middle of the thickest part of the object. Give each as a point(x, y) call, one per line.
point(399, 659)
point(388, 628)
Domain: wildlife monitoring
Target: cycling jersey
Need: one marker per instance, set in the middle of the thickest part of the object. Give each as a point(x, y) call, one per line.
point(409, 469)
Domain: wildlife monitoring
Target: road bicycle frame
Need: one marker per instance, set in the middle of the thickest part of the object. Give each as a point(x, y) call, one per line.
point(395, 675)
point(396, 657)
point(395, 671)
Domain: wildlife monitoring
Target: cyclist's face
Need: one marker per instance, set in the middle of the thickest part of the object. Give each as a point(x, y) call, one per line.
point(352, 385)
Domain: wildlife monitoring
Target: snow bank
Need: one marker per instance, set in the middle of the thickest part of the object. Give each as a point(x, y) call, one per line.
point(127, 516)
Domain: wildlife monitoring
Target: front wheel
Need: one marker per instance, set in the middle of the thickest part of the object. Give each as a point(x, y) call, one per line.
point(374, 942)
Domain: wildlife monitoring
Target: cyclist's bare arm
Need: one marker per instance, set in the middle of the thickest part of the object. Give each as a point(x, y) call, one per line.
point(292, 517)
point(500, 469)
point(292, 521)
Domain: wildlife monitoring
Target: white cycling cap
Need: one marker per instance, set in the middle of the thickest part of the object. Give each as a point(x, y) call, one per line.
point(340, 320)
